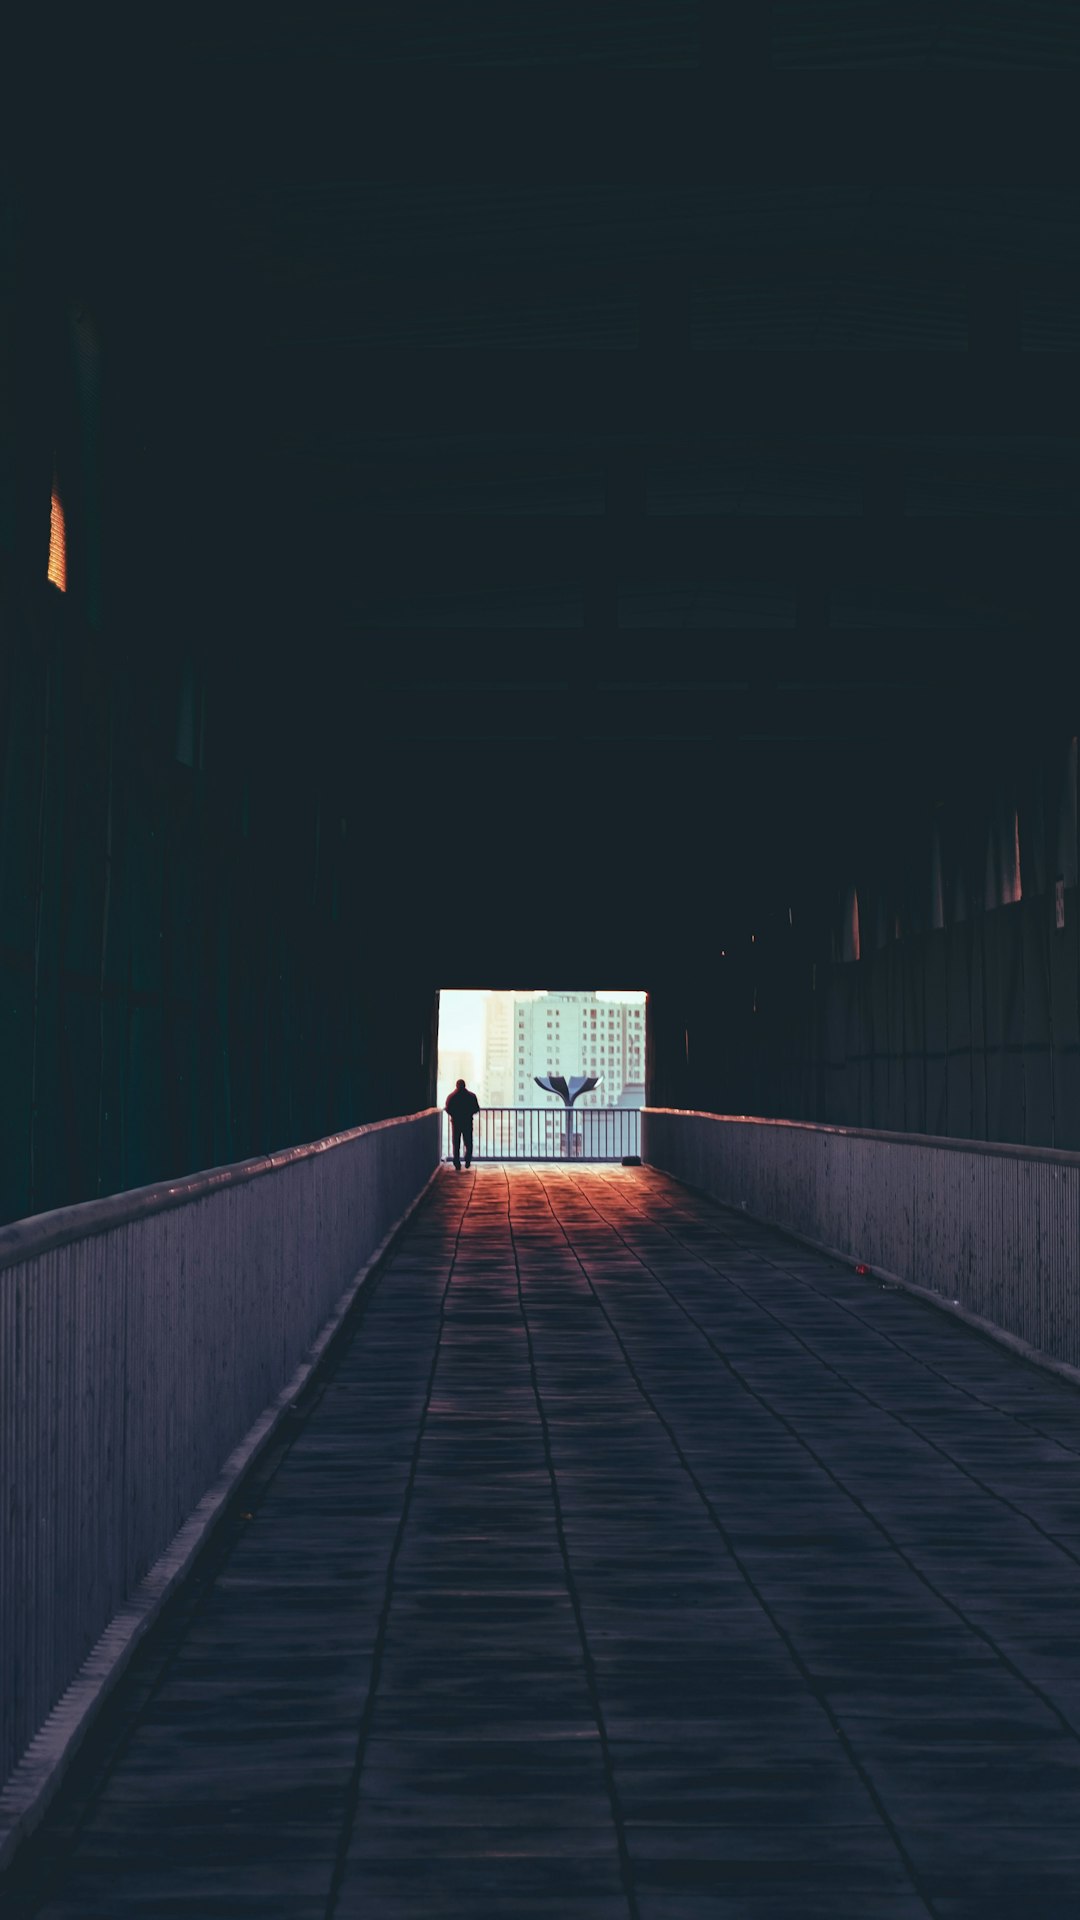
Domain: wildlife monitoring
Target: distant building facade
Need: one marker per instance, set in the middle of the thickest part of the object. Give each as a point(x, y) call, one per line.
point(572, 1033)
point(454, 1065)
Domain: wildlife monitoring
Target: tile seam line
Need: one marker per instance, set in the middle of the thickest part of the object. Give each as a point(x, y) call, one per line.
point(935, 1446)
point(916, 1359)
point(748, 1579)
point(352, 1790)
point(879, 1526)
point(752, 1588)
point(626, 1870)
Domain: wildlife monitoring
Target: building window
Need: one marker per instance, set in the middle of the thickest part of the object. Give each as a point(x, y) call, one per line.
point(1003, 886)
point(937, 883)
point(57, 541)
point(850, 944)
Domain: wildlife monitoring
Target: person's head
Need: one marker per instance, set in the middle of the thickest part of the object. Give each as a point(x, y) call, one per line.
point(461, 1086)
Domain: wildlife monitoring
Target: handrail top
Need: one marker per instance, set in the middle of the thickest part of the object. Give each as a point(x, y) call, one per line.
point(40, 1233)
point(1000, 1149)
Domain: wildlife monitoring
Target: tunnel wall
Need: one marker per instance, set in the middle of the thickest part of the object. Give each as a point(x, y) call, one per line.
point(198, 952)
point(924, 978)
point(162, 1324)
point(184, 978)
point(991, 1229)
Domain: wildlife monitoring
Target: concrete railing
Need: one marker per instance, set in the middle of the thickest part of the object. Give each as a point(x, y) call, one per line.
point(991, 1230)
point(142, 1337)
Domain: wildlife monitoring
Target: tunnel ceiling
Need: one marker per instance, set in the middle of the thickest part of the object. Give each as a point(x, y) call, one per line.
point(677, 424)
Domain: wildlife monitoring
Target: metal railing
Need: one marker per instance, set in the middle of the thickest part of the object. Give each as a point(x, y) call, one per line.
point(991, 1228)
point(540, 1133)
point(141, 1337)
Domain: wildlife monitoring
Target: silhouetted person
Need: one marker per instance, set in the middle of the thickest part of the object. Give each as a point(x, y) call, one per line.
point(461, 1105)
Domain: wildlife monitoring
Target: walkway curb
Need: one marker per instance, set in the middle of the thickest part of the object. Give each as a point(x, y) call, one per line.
point(36, 1777)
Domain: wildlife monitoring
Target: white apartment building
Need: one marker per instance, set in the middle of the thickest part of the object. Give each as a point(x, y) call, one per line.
point(571, 1033)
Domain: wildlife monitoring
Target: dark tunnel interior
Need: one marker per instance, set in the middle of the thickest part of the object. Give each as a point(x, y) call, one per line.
point(621, 503)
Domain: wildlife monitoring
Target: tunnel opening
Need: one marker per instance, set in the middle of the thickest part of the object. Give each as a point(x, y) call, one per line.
point(556, 1073)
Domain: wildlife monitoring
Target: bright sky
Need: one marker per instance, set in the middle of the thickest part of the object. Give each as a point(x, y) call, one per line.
point(461, 1015)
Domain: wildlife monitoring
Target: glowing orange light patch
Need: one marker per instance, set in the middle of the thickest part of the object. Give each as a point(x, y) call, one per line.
point(57, 544)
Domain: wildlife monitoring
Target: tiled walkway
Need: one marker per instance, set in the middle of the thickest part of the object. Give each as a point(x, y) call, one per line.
point(634, 1561)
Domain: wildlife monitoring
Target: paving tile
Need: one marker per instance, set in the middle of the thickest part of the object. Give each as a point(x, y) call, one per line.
point(815, 1561)
point(778, 1901)
point(523, 1882)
